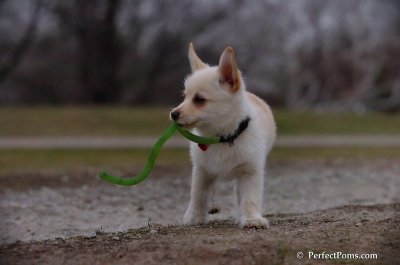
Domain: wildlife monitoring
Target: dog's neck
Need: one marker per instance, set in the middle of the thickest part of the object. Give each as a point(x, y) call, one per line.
point(230, 138)
point(231, 122)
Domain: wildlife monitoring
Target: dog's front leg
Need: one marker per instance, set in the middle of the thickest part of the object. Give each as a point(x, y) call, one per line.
point(200, 197)
point(250, 194)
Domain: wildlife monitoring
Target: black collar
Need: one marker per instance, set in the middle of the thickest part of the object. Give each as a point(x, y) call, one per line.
point(230, 138)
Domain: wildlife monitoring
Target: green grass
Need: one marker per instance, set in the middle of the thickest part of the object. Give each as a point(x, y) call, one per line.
point(125, 121)
point(101, 121)
point(22, 161)
point(59, 160)
point(295, 123)
point(332, 153)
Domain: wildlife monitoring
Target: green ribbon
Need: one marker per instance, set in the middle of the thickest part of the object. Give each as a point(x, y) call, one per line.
point(154, 153)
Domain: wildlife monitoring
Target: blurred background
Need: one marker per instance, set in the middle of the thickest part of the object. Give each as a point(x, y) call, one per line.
point(334, 55)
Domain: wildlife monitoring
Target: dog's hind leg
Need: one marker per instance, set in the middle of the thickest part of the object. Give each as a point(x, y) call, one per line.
point(215, 208)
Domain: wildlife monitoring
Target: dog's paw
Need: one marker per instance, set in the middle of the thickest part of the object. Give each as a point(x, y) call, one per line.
point(255, 223)
point(214, 210)
point(194, 218)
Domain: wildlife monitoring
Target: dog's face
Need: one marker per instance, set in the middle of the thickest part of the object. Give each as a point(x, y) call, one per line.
point(210, 92)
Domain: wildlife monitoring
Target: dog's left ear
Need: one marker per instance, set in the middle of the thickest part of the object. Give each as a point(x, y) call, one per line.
point(227, 69)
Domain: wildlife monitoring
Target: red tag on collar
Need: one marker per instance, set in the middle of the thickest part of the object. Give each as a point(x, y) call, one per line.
point(203, 147)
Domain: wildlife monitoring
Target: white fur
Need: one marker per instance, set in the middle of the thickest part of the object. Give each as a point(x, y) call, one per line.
point(244, 162)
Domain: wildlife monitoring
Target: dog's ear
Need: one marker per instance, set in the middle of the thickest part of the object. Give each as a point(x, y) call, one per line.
point(195, 62)
point(227, 69)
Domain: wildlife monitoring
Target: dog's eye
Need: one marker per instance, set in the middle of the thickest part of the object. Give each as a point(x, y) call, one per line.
point(199, 100)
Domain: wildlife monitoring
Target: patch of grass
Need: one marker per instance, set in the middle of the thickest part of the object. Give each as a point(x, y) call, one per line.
point(331, 153)
point(104, 121)
point(295, 123)
point(125, 121)
point(23, 161)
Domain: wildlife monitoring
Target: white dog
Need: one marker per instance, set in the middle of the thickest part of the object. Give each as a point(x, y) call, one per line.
point(216, 103)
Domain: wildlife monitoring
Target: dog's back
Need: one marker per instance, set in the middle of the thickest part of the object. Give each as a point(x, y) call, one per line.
point(267, 119)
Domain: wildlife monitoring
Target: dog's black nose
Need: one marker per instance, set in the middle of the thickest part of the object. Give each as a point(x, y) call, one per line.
point(175, 115)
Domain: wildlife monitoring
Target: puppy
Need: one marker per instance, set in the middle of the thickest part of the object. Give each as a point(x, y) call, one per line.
point(216, 103)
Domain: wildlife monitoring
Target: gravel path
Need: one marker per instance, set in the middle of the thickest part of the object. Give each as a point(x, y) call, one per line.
point(74, 142)
point(65, 205)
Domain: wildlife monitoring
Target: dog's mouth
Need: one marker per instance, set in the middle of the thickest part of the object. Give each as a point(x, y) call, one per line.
point(187, 125)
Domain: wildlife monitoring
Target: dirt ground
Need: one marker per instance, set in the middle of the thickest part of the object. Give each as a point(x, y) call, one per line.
point(349, 229)
point(327, 205)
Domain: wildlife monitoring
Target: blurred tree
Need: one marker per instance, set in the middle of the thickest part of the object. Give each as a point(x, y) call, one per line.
point(159, 38)
point(18, 50)
point(93, 24)
point(336, 55)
